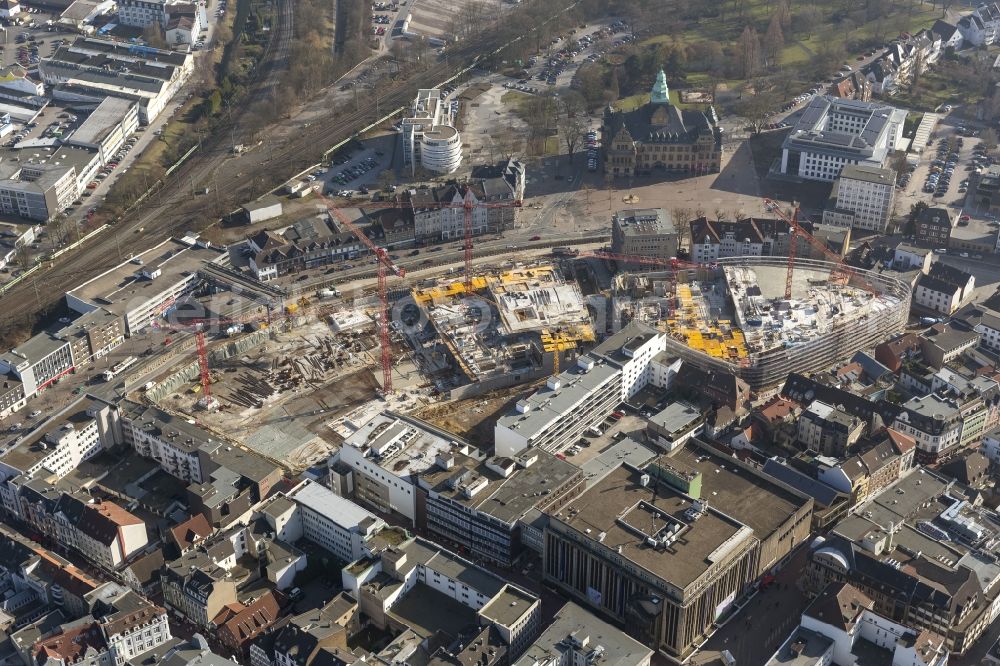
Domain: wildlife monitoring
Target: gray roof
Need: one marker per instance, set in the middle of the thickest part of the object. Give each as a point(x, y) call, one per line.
point(106, 117)
point(868, 174)
point(810, 133)
point(819, 491)
point(590, 634)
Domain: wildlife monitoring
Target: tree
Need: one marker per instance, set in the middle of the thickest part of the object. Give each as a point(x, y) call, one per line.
point(917, 72)
point(805, 21)
point(774, 40)
point(757, 107)
point(153, 36)
point(784, 14)
point(572, 120)
point(988, 139)
point(749, 52)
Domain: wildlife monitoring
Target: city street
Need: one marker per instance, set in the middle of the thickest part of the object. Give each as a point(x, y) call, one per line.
point(763, 623)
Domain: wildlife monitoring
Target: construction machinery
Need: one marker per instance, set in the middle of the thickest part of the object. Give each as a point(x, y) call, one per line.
point(841, 274)
point(385, 266)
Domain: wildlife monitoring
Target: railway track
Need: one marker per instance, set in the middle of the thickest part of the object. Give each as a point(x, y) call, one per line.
point(173, 209)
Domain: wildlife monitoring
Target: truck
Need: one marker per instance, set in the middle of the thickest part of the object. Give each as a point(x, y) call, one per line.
point(564, 252)
point(119, 368)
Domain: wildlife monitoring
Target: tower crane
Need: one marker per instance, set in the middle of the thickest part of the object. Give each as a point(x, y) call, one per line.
point(385, 266)
point(841, 274)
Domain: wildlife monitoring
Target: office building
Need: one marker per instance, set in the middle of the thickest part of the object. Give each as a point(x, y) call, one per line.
point(479, 502)
point(646, 233)
point(833, 132)
point(337, 524)
point(429, 137)
point(148, 285)
point(419, 586)
point(863, 197)
point(556, 416)
point(38, 362)
point(107, 128)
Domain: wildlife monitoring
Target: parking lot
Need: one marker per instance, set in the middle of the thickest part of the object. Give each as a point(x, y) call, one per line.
point(943, 175)
point(355, 170)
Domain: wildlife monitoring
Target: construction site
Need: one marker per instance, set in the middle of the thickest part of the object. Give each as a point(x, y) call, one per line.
point(500, 329)
point(734, 315)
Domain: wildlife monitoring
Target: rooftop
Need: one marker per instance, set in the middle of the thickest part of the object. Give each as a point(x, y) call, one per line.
point(868, 174)
point(507, 607)
point(739, 492)
point(133, 282)
point(330, 505)
point(622, 514)
point(400, 444)
point(108, 115)
point(645, 222)
point(504, 488)
point(577, 630)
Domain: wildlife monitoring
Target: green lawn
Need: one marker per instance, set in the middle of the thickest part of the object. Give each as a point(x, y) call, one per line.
point(633, 102)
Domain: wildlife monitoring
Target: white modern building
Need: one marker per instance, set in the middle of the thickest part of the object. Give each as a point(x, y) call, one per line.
point(107, 128)
point(387, 454)
point(865, 196)
point(833, 132)
point(140, 13)
point(337, 524)
point(429, 137)
point(147, 286)
point(571, 402)
point(38, 362)
point(61, 444)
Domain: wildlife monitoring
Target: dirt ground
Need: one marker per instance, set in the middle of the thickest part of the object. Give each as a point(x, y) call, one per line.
point(474, 419)
point(280, 399)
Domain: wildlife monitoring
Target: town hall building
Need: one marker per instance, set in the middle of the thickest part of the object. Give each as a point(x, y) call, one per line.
point(659, 137)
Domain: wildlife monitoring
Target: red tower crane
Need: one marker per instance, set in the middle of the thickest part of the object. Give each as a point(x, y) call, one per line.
point(206, 379)
point(841, 274)
point(384, 266)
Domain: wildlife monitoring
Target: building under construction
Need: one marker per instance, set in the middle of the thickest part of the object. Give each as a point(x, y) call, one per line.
point(733, 315)
point(501, 329)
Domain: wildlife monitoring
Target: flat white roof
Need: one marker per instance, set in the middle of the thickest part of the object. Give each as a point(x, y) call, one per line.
point(332, 506)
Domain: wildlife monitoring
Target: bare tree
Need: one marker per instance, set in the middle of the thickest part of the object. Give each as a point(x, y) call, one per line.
point(749, 52)
point(774, 40)
point(572, 121)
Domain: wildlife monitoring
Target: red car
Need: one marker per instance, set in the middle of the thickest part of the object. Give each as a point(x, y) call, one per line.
point(536, 238)
point(965, 218)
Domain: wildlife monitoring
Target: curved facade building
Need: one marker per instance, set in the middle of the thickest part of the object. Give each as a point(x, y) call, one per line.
point(762, 345)
point(441, 149)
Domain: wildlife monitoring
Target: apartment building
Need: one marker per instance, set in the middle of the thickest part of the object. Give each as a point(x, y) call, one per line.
point(934, 422)
point(439, 212)
point(197, 588)
point(981, 27)
point(840, 624)
point(828, 430)
point(922, 554)
point(944, 289)
point(863, 197)
point(833, 132)
point(933, 226)
point(92, 336)
point(757, 237)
